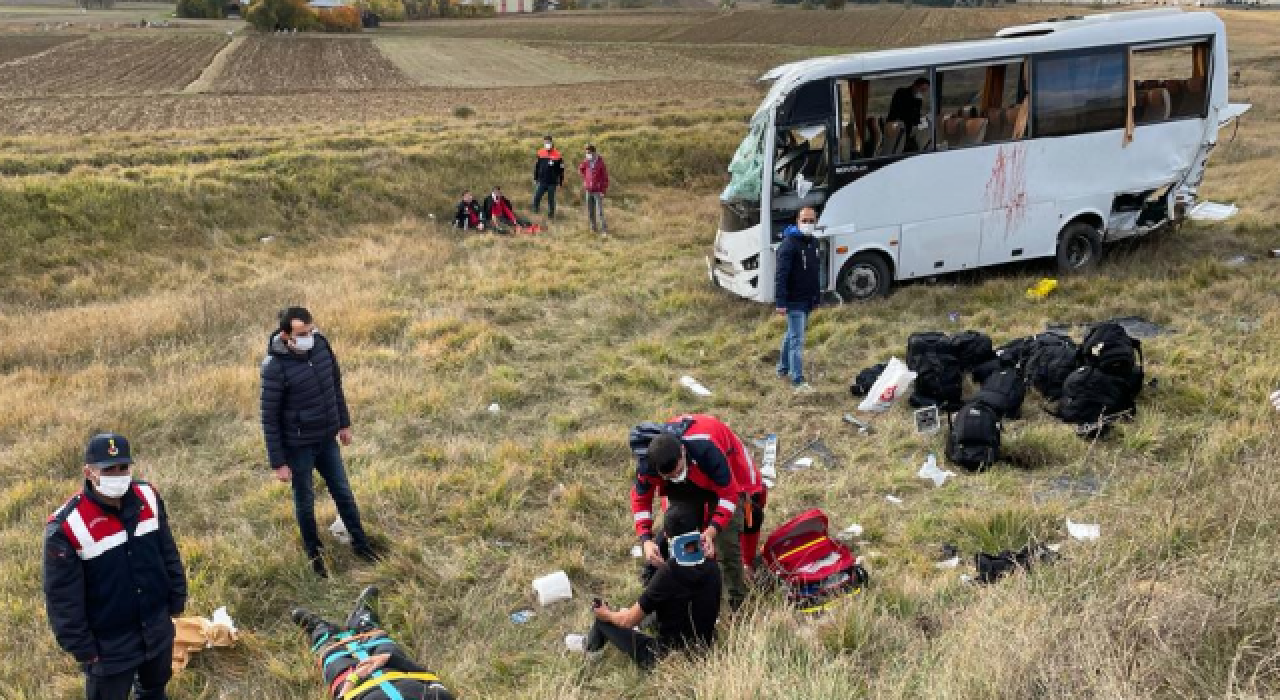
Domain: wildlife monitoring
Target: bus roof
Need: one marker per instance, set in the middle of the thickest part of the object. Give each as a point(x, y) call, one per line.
point(1040, 37)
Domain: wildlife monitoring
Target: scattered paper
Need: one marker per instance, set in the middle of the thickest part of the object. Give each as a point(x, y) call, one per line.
point(1081, 531)
point(494, 408)
point(953, 316)
point(769, 465)
point(854, 530)
point(1055, 548)
point(966, 578)
point(339, 531)
point(1275, 400)
point(637, 552)
point(803, 462)
point(267, 239)
point(930, 471)
point(1212, 211)
point(893, 499)
point(575, 642)
point(693, 385)
point(520, 617)
point(951, 563)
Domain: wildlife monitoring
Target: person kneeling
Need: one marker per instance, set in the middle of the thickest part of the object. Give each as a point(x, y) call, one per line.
point(684, 595)
point(359, 661)
point(499, 215)
point(467, 216)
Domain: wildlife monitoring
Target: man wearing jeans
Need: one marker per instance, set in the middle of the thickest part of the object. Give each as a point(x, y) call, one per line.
point(548, 174)
point(797, 290)
point(304, 416)
point(595, 183)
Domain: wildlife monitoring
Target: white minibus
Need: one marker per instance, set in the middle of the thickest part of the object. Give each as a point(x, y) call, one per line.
point(1049, 140)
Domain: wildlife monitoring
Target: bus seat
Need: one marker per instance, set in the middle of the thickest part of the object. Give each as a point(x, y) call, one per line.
point(1018, 118)
point(975, 130)
point(1000, 123)
point(894, 139)
point(1153, 106)
point(952, 132)
point(875, 136)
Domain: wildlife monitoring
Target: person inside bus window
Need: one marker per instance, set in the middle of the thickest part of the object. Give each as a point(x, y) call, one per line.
point(907, 106)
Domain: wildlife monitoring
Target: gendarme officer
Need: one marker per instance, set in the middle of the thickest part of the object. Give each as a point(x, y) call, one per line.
point(113, 578)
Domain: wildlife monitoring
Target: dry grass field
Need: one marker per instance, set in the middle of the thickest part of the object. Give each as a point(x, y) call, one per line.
point(137, 295)
point(482, 63)
point(306, 64)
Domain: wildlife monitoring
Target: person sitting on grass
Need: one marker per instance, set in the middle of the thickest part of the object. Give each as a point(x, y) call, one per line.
point(683, 594)
point(359, 661)
point(468, 214)
point(498, 214)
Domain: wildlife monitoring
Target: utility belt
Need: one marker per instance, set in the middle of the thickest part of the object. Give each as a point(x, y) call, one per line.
point(334, 649)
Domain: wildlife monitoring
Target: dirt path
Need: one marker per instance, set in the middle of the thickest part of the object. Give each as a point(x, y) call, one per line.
point(212, 71)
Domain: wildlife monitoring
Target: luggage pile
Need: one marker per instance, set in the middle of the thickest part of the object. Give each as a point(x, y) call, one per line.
point(1090, 385)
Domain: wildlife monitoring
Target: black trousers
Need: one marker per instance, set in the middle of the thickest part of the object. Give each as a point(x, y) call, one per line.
point(642, 648)
point(146, 680)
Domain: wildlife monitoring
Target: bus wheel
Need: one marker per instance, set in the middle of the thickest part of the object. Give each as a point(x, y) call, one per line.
point(864, 277)
point(1079, 248)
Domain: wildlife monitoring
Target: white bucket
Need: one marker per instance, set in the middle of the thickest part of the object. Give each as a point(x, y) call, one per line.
point(553, 588)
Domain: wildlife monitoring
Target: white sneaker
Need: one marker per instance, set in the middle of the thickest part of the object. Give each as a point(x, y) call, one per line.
point(804, 388)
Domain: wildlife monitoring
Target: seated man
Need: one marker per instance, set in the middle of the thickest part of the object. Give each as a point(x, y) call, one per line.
point(468, 214)
point(684, 595)
point(498, 214)
point(361, 662)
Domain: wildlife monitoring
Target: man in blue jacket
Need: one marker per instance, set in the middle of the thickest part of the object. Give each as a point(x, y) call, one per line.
point(797, 290)
point(304, 416)
point(113, 578)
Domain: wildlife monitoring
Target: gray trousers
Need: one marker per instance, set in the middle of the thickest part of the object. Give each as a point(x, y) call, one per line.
point(595, 207)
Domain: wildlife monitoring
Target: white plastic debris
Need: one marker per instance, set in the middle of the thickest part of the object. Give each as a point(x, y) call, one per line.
point(222, 617)
point(494, 408)
point(966, 578)
point(1275, 400)
point(893, 382)
point(339, 531)
point(803, 186)
point(951, 563)
point(267, 239)
point(769, 465)
point(553, 588)
point(694, 385)
point(1055, 548)
point(575, 642)
point(637, 552)
point(893, 499)
point(930, 471)
point(803, 462)
point(1212, 211)
point(1082, 531)
point(854, 530)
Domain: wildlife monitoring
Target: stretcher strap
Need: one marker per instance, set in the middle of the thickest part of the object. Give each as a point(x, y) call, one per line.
point(357, 650)
point(341, 639)
point(389, 678)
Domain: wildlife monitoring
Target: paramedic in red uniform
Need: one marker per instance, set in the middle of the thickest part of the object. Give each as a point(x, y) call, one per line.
point(697, 458)
point(113, 579)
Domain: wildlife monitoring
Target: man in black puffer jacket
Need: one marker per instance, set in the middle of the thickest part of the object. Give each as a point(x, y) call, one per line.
point(304, 415)
point(797, 290)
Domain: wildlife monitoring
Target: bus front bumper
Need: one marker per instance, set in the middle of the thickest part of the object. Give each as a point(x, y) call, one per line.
point(734, 264)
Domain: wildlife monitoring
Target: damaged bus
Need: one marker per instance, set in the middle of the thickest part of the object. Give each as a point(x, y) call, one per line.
point(1049, 140)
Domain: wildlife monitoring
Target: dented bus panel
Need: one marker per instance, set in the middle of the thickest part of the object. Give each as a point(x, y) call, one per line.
point(1050, 140)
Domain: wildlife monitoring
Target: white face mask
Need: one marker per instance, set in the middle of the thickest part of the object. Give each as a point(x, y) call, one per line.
point(808, 229)
point(547, 145)
point(303, 343)
point(114, 486)
point(591, 156)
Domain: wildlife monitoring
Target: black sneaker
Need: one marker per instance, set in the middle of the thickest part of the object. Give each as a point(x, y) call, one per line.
point(301, 617)
point(367, 553)
point(365, 614)
point(317, 565)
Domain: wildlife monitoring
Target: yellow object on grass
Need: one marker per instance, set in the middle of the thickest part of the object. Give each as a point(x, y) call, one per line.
point(1042, 288)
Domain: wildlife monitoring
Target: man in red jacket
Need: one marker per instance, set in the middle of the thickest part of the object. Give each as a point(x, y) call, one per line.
point(595, 183)
point(697, 459)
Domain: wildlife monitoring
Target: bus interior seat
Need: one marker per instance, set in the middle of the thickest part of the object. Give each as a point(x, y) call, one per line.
point(974, 130)
point(1000, 123)
point(951, 132)
point(1186, 97)
point(875, 135)
point(894, 139)
point(1153, 105)
point(1018, 119)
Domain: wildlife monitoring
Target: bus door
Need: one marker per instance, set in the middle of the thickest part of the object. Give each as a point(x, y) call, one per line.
point(802, 158)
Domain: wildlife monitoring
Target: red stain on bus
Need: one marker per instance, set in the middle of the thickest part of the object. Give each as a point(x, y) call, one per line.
point(1007, 186)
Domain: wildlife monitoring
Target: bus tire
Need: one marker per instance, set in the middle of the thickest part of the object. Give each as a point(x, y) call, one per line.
point(1079, 248)
point(865, 277)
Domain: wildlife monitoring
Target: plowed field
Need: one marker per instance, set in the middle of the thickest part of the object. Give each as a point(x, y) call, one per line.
point(111, 66)
point(274, 65)
point(15, 47)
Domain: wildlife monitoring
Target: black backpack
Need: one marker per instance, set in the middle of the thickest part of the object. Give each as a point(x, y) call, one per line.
point(983, 371)
point(920, 344)
point(972, 348)
point(939, 382)
point(1109, 347)
point(644, 433)
point(973, 436)
point(1015, 352)
point(993, 567)
point(862, 383)
point(1051, 359)
point(1004, 391)
point(1090, 394)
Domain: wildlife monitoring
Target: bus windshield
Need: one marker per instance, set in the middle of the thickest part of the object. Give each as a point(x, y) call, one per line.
point(746, 170)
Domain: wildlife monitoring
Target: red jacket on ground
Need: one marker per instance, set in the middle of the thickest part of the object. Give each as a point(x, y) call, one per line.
point(595, 176)
point(720, 470)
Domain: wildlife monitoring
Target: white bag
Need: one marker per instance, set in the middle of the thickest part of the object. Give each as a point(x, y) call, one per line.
point(893, 382)
point(553, 588)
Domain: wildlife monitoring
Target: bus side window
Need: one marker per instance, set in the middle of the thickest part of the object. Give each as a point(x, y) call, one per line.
point(981, 104)
point(885, 116)
point(1079, 93)
point(1170, 82)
